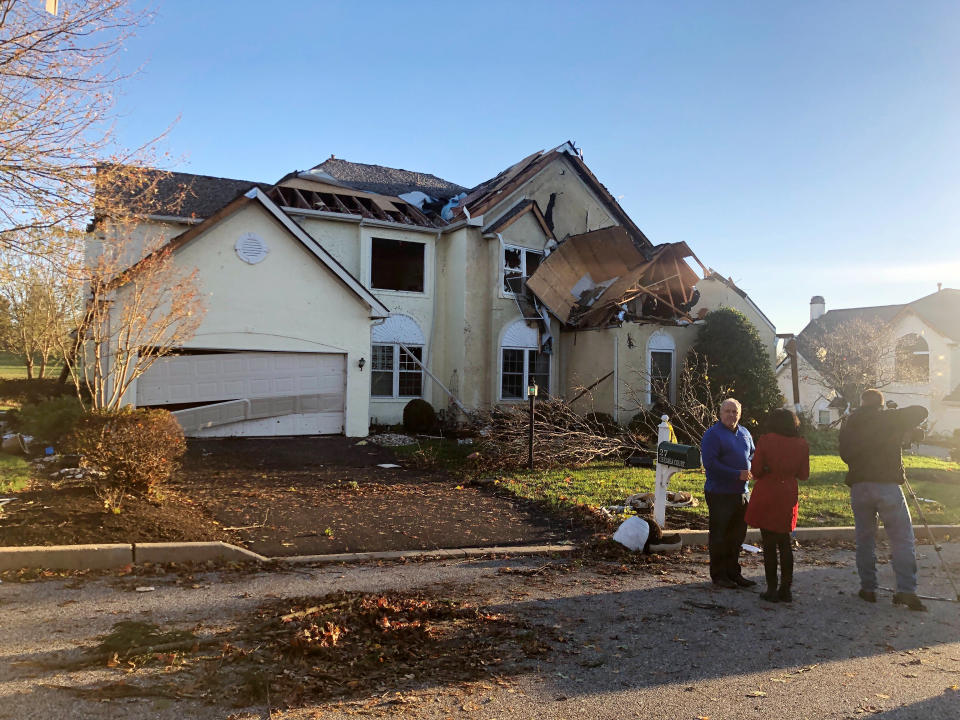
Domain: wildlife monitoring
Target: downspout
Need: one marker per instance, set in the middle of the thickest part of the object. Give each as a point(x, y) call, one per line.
point(436, 297)
point(616, 378)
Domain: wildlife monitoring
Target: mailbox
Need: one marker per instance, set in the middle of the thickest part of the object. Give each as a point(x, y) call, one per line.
point(685, 457)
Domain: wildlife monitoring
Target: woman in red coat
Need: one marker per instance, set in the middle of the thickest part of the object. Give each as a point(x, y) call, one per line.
point(782, 458)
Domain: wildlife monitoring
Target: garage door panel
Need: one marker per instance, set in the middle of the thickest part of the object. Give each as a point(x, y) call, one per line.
point(230, 376)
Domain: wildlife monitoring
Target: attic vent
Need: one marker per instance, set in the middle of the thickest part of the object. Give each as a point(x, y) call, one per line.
point(251, 248)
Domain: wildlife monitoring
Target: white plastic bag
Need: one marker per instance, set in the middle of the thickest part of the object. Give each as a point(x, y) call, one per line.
point(633, 533)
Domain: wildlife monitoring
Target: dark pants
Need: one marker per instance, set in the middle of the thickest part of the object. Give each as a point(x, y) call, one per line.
point(774, 542)
point(728, 530)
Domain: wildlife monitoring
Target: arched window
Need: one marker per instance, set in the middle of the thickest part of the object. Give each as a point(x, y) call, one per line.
point(521, 362)
point(394, 374)
point(912, 359)
point(661, 367)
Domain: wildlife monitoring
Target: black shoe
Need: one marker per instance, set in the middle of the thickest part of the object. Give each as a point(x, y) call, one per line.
point(868, 595)
point(784, 594)
point(741, 581)
point(770, 596)
point(725, 583)
point(910, 600)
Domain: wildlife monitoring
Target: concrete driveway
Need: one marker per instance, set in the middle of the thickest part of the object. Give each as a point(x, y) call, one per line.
point(653, 642)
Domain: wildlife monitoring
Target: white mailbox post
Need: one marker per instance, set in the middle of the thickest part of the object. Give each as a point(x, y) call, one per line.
point(671, 458)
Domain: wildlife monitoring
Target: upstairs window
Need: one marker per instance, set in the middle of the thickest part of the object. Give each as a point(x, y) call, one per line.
point(396, 265)
point(518, 263)
point(912, 359)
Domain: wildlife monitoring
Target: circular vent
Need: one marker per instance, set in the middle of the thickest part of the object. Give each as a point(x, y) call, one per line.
point(251, 248)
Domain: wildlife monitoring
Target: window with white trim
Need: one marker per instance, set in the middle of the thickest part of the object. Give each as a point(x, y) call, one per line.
point(522, 363)
point(823, 417)
point(518, 262)
point(393, 372)
point(661, 360)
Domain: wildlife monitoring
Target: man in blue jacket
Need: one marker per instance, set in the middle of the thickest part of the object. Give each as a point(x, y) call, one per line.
point(727, 450)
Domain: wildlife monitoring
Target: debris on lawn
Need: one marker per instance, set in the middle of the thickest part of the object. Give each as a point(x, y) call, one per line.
point(392, 439)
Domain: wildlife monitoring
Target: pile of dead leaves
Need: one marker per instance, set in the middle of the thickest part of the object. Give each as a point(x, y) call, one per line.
point(350, 644)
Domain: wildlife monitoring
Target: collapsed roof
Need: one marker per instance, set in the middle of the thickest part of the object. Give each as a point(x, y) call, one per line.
point(601, 278)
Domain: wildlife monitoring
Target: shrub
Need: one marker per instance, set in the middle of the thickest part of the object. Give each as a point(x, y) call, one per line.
point(738, 361)
point(137, 449)
point(50, 420)
point(21, 390)
point(418, 416)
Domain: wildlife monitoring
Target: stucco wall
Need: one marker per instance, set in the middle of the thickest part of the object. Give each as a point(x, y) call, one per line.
point(576, 209)
point(715, 294)
point(288, 302)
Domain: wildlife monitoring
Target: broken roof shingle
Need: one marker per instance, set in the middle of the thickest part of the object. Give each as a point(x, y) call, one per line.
point(488, 194)
point(386, 180)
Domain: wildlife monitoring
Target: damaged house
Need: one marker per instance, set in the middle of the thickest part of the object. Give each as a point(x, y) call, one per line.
point(338, 294)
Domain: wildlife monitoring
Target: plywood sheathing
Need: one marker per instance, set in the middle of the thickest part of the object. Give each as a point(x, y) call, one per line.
point(587, 280)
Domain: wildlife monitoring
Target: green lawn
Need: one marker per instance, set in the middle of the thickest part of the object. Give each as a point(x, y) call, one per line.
point(12, 367)
point(14, 473)
point(824, 498)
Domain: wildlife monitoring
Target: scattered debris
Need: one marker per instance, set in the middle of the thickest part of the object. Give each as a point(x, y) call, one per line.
point(392, 439)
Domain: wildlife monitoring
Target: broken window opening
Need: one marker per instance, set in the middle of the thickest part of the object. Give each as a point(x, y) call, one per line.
point(394, 374)
point(518, 263)
point(397, 265)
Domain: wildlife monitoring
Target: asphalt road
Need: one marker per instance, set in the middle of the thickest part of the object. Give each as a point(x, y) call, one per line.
point(653, 642)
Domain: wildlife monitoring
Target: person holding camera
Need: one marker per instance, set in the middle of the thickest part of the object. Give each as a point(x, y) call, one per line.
point(870, 442)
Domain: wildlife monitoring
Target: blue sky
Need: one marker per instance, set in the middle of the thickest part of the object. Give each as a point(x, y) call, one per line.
point(800, 148)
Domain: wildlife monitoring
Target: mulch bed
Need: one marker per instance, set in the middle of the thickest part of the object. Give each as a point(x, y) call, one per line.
point(293, 496)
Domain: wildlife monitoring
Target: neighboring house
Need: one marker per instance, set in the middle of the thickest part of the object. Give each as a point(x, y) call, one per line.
point(925, 358)
point(338, 294)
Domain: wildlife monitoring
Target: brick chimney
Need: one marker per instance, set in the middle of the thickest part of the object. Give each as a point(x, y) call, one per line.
point(818, 306)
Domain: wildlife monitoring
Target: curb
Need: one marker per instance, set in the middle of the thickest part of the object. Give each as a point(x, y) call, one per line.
point(106, 556)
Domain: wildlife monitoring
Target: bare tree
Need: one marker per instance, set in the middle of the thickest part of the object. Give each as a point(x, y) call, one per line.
point(40, 302)
point(562, 438)
point(695, 408)
point(851, 356)
point(57, 87)
point(133, 314)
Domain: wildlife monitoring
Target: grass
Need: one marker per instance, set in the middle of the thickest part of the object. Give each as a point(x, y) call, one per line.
point(14, 473)
point(824, 498)
point(13, 368)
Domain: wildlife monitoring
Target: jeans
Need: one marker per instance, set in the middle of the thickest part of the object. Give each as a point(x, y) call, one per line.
point(728, 530)
point(869, 501)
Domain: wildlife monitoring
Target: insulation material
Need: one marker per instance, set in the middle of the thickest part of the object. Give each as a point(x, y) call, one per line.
point(600, 278)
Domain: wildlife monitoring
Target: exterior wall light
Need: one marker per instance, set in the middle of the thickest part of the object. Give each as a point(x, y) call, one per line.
point(361, 363)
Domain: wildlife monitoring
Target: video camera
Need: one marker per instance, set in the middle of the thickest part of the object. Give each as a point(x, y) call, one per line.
point(911, 437)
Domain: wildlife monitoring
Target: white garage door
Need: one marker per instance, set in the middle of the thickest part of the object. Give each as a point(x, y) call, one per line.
point(308, 390)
